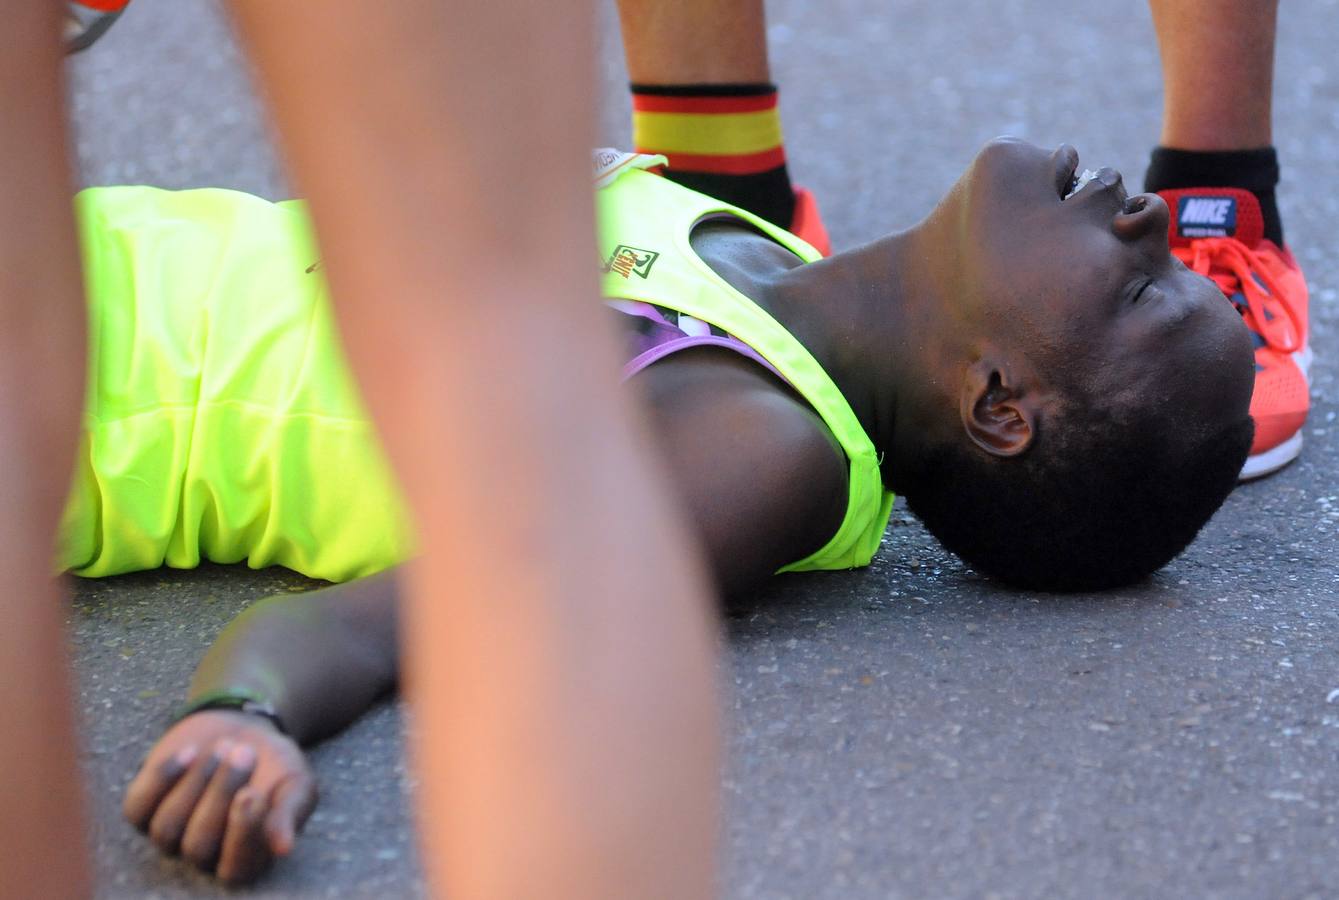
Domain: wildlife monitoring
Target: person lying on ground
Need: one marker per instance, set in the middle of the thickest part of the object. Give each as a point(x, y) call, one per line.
point(1060, 401)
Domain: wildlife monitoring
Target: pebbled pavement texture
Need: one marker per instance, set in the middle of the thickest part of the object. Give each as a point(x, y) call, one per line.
point(909, 730)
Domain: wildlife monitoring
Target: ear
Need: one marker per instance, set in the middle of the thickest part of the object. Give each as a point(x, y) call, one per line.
point(998, 417)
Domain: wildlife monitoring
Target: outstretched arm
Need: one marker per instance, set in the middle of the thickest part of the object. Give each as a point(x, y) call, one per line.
point(229, 790)
point(321, 658)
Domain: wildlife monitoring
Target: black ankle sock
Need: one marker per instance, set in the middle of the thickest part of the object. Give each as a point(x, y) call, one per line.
point(768, 195)
point(1256, 171)
point(721, 139)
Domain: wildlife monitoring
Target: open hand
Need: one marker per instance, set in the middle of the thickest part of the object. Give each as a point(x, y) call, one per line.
point(225, 790)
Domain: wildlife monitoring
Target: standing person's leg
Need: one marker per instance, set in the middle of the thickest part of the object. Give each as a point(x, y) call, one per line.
point(1218, 169)
point(1217, 107)
point(41, 382)
point(560, 643)
point(702, 95)
point(1213, 114)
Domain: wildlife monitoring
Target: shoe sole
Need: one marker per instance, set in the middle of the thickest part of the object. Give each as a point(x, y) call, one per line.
point(1275, 458)
point(1303, 359)
point(1271, 460)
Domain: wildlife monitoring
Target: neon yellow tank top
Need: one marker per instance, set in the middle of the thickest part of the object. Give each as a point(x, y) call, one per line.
point(220, 422)
point(645, 222)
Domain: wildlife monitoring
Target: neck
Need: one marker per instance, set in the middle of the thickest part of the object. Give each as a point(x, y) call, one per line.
point(873, 319)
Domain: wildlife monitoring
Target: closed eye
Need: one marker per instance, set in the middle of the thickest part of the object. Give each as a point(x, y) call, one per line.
point(1146, 291)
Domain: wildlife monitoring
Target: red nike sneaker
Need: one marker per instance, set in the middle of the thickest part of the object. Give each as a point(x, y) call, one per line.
point(1219, 233)
point(806, 224)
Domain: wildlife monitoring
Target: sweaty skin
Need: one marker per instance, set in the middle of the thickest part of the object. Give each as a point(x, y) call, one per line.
point(945, 332)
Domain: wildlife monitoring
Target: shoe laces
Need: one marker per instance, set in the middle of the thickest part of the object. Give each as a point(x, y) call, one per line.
point(1239, 273)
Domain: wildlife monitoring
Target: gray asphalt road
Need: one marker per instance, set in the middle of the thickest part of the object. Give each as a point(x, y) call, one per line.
point(906, 731)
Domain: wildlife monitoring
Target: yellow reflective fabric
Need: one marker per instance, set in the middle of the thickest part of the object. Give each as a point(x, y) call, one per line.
point(648, 217)
point(221, 421)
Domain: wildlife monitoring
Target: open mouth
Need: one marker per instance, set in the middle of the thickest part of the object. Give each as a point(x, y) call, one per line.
point(1076, 182)
point(1069, 180)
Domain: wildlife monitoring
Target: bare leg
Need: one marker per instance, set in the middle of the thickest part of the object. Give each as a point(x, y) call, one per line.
point(41, 382)
point(1224, 104)
point(560, 646)
point(694, 41)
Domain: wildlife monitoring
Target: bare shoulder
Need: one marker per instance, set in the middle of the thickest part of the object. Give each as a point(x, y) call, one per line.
point(763, 479)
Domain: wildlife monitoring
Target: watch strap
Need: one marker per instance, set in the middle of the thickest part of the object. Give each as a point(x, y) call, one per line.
point(232, 699)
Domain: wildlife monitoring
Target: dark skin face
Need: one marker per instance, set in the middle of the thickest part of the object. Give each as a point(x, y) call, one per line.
point(971, 325)
point(1082, 290)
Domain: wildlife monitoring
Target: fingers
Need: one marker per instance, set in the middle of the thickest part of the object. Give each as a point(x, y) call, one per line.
point(245, 853)
point(204, 831)
point(151, 784)
point(174, 812)
point(291, 803)
point(226, 804)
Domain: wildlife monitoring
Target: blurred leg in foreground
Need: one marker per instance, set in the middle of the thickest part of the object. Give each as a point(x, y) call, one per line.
point(560, 644)
point(41, 382)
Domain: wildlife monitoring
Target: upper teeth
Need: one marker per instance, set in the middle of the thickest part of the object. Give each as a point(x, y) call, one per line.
point(1078, 183)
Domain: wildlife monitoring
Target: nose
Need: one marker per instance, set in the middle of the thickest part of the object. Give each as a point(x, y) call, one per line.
point(1142, 216)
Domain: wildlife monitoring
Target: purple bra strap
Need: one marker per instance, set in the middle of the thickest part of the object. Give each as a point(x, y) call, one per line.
point(660, 351)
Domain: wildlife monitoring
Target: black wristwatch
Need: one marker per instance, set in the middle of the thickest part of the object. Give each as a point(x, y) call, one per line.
point(236, 700)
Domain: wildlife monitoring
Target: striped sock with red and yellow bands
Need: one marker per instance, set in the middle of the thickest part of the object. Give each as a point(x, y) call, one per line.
point(721, 139)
